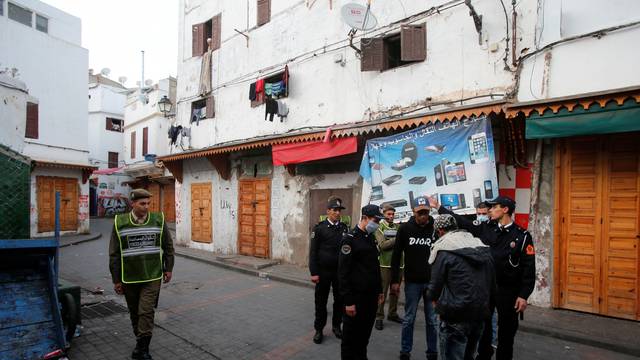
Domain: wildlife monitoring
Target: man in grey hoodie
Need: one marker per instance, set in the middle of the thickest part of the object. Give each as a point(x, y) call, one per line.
point(462, 287)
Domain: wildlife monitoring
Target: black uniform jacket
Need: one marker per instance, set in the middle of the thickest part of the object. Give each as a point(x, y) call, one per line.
point(359, 270)
point(325, 247)
point(512, 251)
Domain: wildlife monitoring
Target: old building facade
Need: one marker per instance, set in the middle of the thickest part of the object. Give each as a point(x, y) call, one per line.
point(423, 62)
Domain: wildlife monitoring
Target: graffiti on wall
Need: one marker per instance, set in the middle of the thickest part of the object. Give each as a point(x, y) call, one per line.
point(83, 207)
point(109, 205)
point(178, 196)
point(225, 205)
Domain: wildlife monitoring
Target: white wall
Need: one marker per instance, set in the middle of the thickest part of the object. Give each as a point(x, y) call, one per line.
point(105, 101)
point(585, 65)
point(55, 68)
point(62, 25)
point(138, 115)
point(13, 112)
point(322, 92)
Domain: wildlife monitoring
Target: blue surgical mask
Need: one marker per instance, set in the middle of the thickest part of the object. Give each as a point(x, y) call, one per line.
point(371, 227)
point(482, 218)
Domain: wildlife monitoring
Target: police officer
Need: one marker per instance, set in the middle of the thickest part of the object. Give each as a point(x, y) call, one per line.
point(141, 255)
point(360, 284)
point(514, 258)
point(323, 266)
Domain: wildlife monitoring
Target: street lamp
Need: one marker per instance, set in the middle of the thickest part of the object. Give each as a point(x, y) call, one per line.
point(164, 105)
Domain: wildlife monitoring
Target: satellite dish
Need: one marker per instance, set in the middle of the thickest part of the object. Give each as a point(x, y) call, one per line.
point(148, 82)
point(105, 72)
point(122, 79)
point(358, 17)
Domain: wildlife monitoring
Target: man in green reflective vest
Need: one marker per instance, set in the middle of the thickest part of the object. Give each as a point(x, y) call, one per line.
point(386, 239)
point(141, 255)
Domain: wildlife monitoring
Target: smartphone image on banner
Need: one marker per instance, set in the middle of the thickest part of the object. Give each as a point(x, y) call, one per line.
point(488, 190)
point(477, 198)
point(463, 202)
point(437, 171)
point(478, 149)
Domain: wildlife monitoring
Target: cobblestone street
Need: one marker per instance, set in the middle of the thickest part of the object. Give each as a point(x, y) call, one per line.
point(211, 313)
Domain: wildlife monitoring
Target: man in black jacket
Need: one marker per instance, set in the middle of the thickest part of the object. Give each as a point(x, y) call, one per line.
point(323, 266)
point(360, 284)
point(462, 286)
point(514, 260)
point(414, 239)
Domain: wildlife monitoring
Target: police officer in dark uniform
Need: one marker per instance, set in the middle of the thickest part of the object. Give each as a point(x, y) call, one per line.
point(360, 284)
point(514, 258)
point(323, 266)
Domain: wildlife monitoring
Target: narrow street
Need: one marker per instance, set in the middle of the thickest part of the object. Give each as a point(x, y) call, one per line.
point(210, 313)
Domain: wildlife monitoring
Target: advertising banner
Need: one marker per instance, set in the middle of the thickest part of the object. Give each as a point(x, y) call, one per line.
point(453, 161)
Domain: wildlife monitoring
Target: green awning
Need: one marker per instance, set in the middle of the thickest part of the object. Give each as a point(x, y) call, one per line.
point(612, 118)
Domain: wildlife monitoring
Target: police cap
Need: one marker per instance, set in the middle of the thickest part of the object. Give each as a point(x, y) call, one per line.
point(137, 194)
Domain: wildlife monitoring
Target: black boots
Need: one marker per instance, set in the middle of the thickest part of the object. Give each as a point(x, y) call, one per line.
point(317, 338)
point(379, 325)
point(337, 332)
point(141, 352)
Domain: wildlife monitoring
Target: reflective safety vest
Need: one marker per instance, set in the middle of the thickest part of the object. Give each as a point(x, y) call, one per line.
point(140, 247)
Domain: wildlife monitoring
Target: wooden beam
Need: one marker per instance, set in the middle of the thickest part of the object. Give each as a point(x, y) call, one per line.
point(222, 165)
point(175, 168)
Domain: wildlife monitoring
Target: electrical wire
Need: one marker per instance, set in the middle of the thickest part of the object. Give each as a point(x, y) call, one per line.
point(326, 49)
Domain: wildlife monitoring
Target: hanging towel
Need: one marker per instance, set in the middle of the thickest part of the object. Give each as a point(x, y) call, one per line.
point(285, 80)
point(277, 88)
point(283, 110)
point(268, 89)
point(259, 86)
point(205, 74)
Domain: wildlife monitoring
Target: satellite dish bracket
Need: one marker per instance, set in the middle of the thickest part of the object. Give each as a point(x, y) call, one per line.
point(351, 34)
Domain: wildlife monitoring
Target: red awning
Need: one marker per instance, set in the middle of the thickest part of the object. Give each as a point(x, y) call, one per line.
point(107, 171)
point(296, 153)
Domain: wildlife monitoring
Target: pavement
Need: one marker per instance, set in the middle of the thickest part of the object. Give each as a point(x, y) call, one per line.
point(70, 240)
point(233, 307)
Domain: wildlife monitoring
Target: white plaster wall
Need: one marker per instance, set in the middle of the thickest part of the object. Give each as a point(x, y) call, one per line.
point(105, 101)
point(13, 112)
point(322, 92)
point(138, 115)
point(585, 65)
point(83, 208)
point(55, 68)
point(62, 25)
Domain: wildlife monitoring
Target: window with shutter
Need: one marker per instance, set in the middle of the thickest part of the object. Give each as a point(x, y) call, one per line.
point(115, 124)
point(216, 32)
point(264, 12)
point(399, 49)
point(211, 110)
point(372, 56)
point(113, 160)
point(145, 141)
point(198, 41)
point(31, 130)
point(133, 144)
point(413, 42)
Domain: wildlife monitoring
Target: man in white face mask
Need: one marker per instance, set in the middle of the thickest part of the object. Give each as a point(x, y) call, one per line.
point(482, 212)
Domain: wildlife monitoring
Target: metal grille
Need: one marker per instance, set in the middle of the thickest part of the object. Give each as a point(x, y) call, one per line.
point(14, 195)
point(102, 310)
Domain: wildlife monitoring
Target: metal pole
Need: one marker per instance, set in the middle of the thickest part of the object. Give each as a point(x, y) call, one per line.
point(57, 235)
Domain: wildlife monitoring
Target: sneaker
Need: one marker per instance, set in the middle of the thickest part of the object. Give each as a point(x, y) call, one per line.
point(379, 325)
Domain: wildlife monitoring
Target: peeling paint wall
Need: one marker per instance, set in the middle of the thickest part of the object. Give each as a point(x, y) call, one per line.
point(541, 224)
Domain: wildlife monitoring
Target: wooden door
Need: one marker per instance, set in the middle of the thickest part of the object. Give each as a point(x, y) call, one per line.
point(254, 217)
point(154, 201)
point(169, 202)
point(201, 228)
point(46, 187)
point(621, 226)
point(599, 210)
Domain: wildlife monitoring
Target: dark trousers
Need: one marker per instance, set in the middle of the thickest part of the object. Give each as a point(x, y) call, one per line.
point(356, 330)
point(142, 298)
point(458, 341)
point(328, 281)
point(507, 327)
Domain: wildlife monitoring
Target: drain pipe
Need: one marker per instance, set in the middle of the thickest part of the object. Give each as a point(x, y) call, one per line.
point(514, 17)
